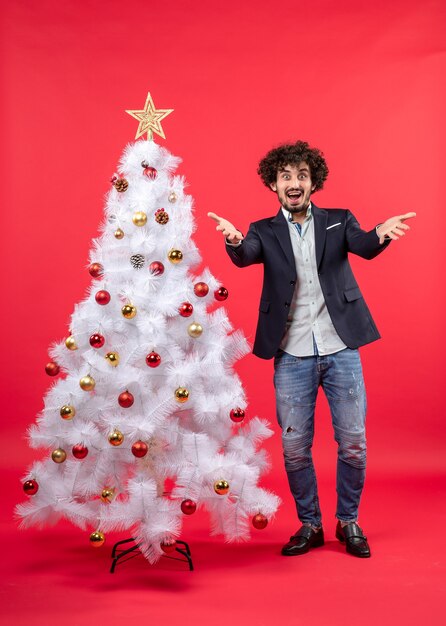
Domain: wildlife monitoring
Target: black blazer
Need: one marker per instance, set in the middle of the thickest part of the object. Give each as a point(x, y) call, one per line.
point(268, 242)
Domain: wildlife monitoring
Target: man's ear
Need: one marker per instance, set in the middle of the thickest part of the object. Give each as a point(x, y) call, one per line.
point(313, 188)
point(273, 186)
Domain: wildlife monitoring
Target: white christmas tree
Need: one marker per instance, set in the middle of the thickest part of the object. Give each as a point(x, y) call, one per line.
point(147, 391)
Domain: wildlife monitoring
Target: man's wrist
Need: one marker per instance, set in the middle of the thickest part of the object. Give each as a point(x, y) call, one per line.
point(233, 245)
point(386, 237)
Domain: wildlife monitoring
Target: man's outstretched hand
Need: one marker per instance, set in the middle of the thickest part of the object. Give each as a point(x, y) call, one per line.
point(394, 227)
point(229, 230)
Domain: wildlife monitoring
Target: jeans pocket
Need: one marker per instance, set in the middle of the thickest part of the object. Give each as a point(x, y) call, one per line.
point(283, 359)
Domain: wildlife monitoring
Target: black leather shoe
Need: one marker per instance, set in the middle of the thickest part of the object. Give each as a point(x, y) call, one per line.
point(303, 540)
point(354, 539)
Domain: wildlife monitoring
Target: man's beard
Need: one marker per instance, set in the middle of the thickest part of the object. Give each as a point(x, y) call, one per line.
point(296, 210)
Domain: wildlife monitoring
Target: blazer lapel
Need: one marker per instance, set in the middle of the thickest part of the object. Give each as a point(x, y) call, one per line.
point(320, 231)
point(282, 232)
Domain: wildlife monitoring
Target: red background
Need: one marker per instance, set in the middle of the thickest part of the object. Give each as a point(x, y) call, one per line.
point(365, 83)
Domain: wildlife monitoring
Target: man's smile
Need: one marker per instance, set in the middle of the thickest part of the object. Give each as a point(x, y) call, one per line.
point(294, 196)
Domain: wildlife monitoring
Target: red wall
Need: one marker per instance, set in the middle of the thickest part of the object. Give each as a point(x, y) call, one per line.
point(362, 81)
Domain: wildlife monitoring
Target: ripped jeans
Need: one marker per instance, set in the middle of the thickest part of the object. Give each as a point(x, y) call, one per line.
point(297, 380)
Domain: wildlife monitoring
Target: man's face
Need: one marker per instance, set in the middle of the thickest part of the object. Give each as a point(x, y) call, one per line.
point(294, 187)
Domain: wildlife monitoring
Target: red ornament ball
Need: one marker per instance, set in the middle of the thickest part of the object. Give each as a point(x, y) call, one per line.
point(52, 369)
point(156, 268)
point(30, 487)
point(237, 415)
point(126, 399)
point(150, 172)
point(102, 297)
point(153, 359)
point(221, 294)
point(186, 309)
point(139, 449)
point(260, 521)
point(201, 290)
point(96, 270)
point(188, 507)
point(79, 451)
point(97, 340)
point(168, 547)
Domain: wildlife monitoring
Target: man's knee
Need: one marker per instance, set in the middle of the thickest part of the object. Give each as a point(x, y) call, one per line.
point(352, 448)
point(296, 449)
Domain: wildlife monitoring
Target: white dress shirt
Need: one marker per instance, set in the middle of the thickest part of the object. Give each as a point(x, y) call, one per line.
point(309, 322)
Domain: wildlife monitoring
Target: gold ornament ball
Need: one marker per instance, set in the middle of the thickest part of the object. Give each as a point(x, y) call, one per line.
point(87, 383)
point(71, 343)
point(175, 256)
point(172, 197)
point(58, 455)
point(221, 487)
point(116, 438)
point(195, 329)
point(119, 233)
point(139, 218)
point(67, 412)
point(97, 539)
point(112, 358)
point(107, 495)
point(128, 311)
point(181, 395)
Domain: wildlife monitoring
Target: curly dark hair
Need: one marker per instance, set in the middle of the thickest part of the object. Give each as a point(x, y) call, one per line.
point(293, 154)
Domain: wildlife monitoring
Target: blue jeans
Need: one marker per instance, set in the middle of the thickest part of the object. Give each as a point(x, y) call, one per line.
point(297, 380)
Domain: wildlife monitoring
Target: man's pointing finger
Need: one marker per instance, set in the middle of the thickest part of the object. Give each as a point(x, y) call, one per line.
point(214, 216)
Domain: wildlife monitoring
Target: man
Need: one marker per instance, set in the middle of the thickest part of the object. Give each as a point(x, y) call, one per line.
point(312, 320)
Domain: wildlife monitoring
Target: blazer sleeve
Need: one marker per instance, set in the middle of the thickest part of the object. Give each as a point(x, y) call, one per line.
point(361, 242)
point(249, 251)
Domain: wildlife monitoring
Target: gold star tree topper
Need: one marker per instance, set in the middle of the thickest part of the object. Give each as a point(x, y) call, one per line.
point(150, 119)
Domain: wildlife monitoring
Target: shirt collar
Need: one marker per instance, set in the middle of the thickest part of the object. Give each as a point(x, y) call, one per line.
point(288, 216)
